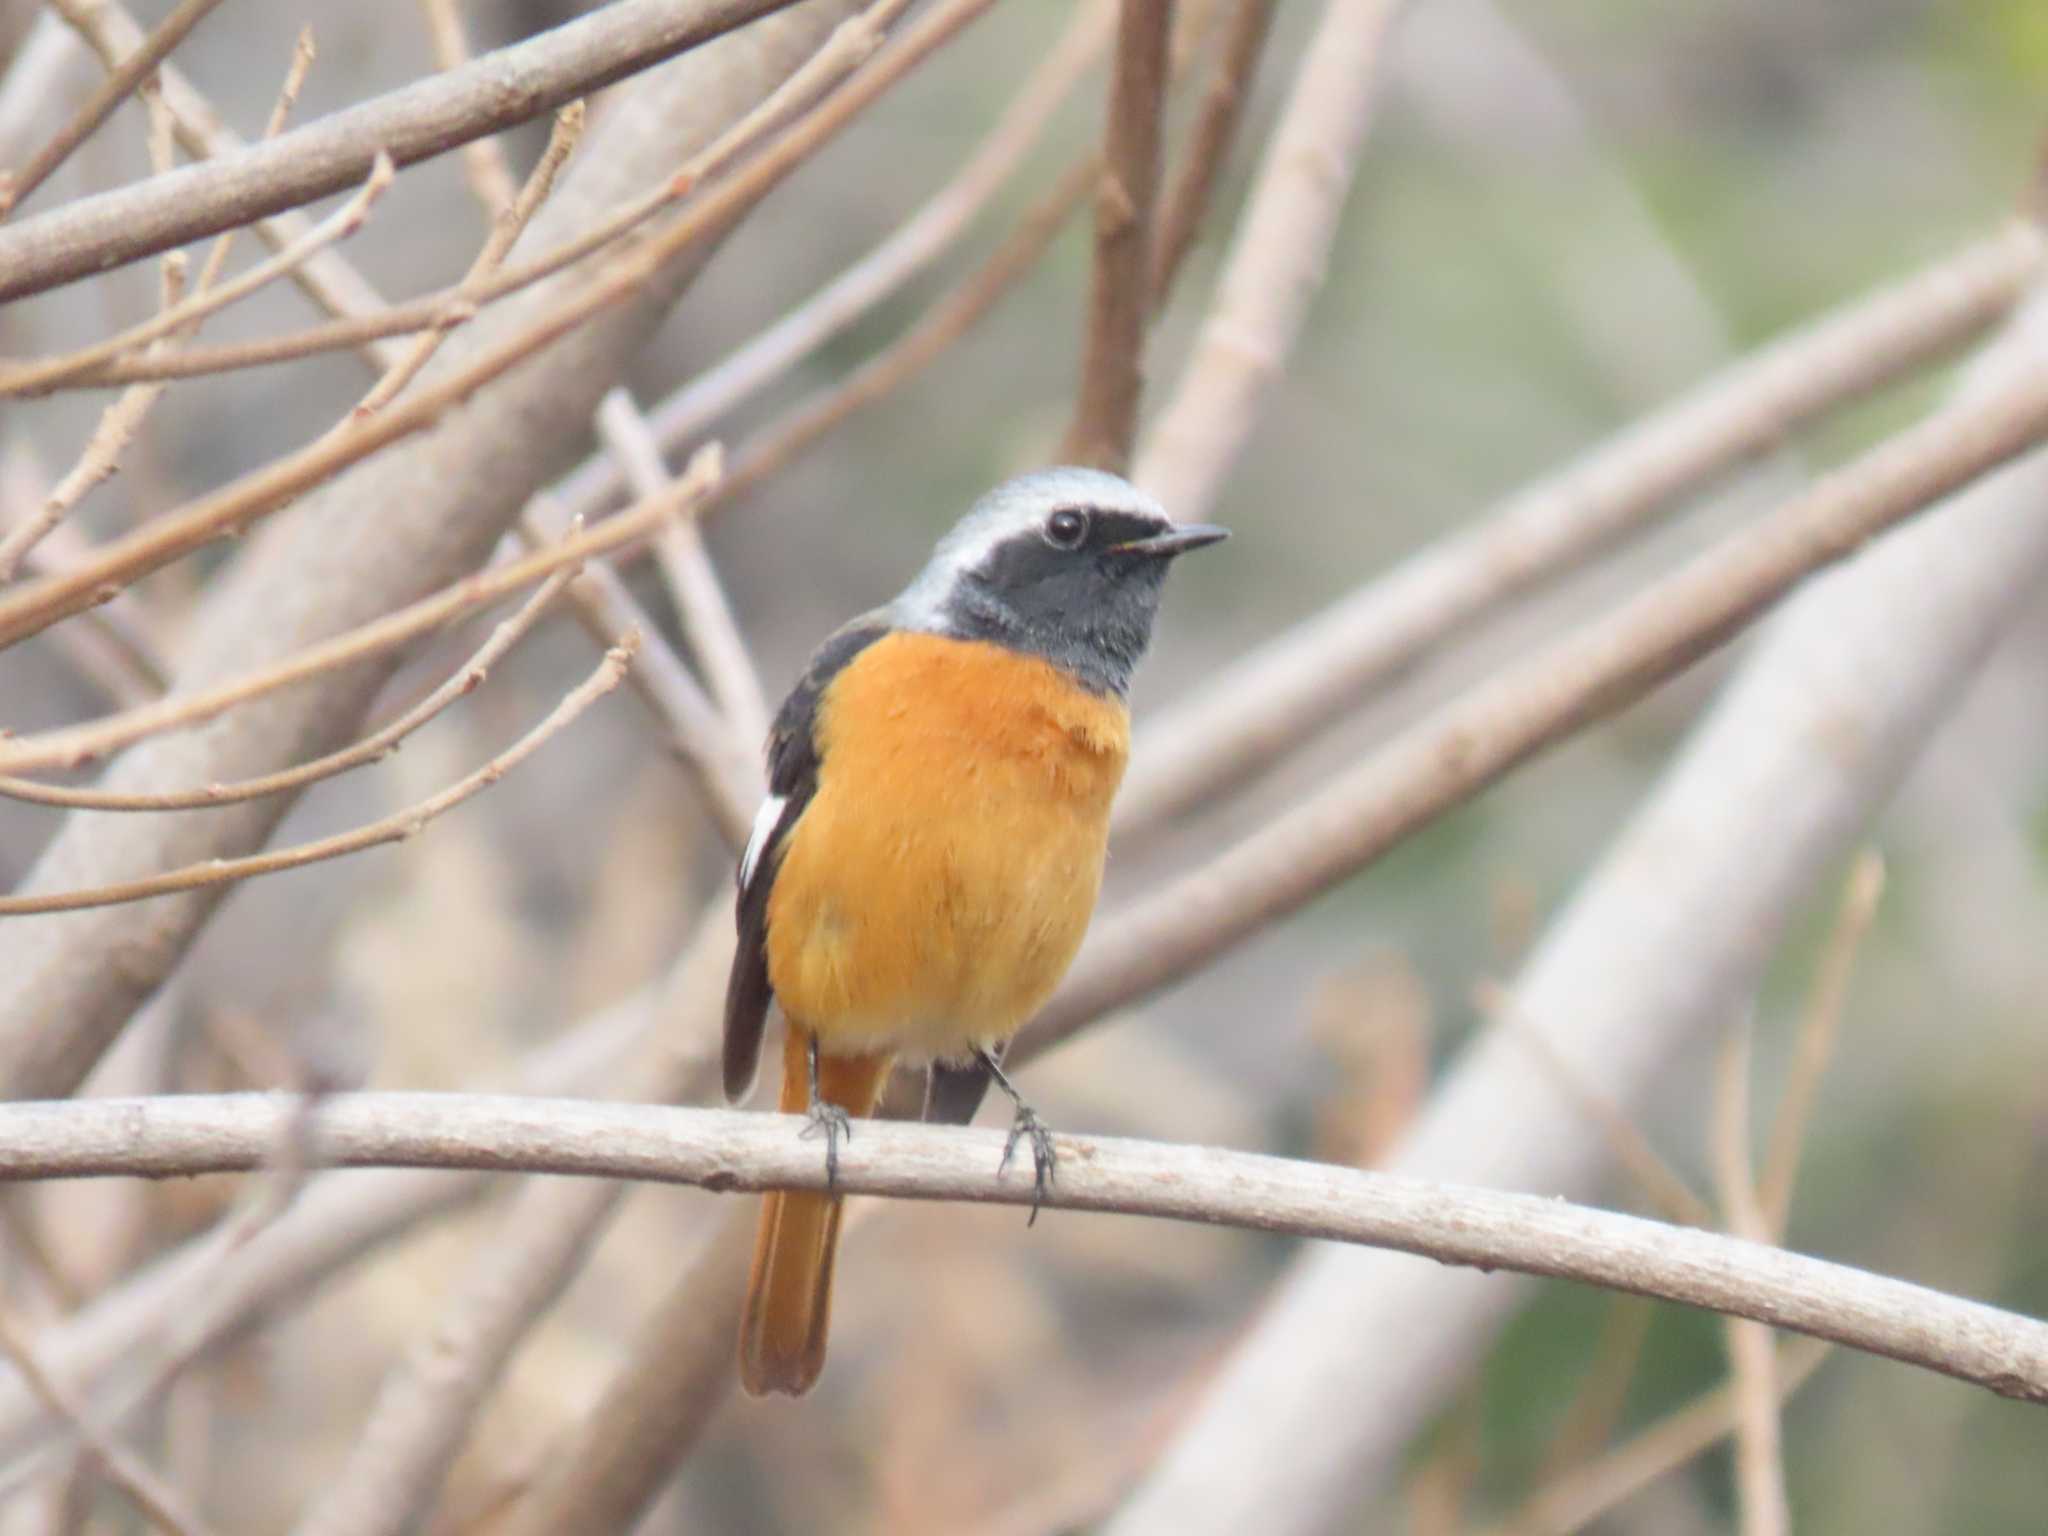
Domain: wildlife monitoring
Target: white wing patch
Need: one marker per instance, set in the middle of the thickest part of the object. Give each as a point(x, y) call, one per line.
point(764, 828)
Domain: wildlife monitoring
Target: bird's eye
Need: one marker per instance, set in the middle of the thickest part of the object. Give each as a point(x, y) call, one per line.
point(1067, 528)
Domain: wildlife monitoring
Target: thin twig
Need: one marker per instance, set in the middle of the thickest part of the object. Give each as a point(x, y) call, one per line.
point(159, 1503)
point(1471, 742)
point(1759, 1436)
point(1575, 1499)
point(336, 227)
point(1105, 421)
point(258, 494)
point(1653, 1174)
point(849, 45)
point(328, 280)
point(506, 227)
point(426, 118)
point(99, 106)
point(731, 1150)
point(483, 160)
point(1186, 202)
point(727, 770)
point(83, 743)
point(1276, 263)
point(394, 828)
point(1819, 1023)
point(693, 584)
point(372, 748)
point(910, 249)
point(937, 329)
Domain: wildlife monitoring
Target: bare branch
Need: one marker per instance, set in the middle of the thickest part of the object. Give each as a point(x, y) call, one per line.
point(158, 1502)
point(1291, 686)
point(1186, 203)
point(694, 587)
point(1105, 418)
point(918, 242)
point(429, 1401)
point(327, 279)
point(28, 378)
point(1577, 1498)
point(1276, 262)
point(82, 743)
point(99, 106)
point(483, 160)
point(730, 1150)
point(1819, 1022)
point(1472, 741)
point(372, 748)
point(389, 829)
point(937, 329)
point(1759, 1437)
point(413, 123)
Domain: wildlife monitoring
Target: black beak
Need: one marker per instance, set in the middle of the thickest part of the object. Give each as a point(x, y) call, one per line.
point(1177, 540)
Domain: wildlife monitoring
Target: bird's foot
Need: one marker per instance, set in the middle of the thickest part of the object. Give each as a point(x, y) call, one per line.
point(831, 1122)
point(1044, 1160)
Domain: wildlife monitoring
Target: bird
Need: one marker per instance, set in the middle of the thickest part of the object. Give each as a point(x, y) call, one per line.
point(931, 847)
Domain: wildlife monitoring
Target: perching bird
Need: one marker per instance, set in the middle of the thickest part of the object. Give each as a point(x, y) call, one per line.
point(929, 854)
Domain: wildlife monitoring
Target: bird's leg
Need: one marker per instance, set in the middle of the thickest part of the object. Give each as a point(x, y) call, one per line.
point(1025, 1124)
point(827, 1120)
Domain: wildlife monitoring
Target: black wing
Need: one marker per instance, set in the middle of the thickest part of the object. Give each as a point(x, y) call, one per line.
point(792, 780)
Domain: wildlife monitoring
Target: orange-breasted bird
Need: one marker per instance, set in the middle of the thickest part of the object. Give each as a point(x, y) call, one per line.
point(929, 854)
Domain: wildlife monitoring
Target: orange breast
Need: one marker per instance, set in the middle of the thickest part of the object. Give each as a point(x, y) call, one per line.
point(937, 886)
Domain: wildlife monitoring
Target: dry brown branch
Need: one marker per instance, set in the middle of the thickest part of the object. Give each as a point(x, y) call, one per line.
point(679, 1372)
point(920, 241)
point(1186, 202)
point(693, 584)
point(1577, 1498)
point(326, 569)
point(229, 1278)
point(1105, 420)
point(1471, 742)
point(1664, 1186)
point(1819, 1023)
point(158, 1502)
point(1276, 262)
point(627, 277)
point(29, 378)
point(328, 280)
point(1759, 1436)
point(83, 743)
point(376, 746)
point(731, 1150)
point(849, 46)
point(416, 122)
point(483, 160)
point(99, 106)
point(428, 1402)
point(1293, 685)
point(394, 828)
point(507, 225)
point(937, 329)
point(727, 770)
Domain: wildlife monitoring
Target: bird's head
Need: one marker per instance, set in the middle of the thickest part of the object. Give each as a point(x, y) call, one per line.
point(1065, 564)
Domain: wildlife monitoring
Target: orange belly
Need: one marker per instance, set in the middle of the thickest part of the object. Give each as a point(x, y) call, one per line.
point(938, 884)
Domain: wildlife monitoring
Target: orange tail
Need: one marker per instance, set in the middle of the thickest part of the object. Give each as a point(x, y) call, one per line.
point(789, 1296)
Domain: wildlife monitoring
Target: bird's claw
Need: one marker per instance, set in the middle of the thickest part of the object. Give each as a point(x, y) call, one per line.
point(831, 1122)
point(1044, 1159)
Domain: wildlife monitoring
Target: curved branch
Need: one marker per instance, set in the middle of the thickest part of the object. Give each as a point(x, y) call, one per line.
point(729, 1150)
point(426, 118)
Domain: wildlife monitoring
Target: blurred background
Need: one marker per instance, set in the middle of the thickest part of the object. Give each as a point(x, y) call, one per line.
point(1570, 209)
